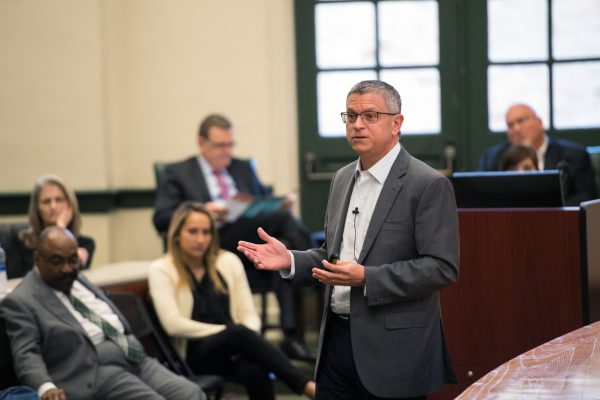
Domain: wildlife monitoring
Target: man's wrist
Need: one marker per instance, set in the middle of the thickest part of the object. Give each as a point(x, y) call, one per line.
point(289, 273)
point(44, 387)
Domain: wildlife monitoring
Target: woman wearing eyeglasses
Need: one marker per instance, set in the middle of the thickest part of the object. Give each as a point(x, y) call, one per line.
point(203, 301)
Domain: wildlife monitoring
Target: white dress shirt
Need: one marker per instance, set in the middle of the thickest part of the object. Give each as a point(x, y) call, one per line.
point(95, 304)
point(365, 193)
point(367, 187)
point(541, 153)
point(212, 183)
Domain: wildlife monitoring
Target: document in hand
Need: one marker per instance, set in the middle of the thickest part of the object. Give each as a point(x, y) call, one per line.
point(259, 204)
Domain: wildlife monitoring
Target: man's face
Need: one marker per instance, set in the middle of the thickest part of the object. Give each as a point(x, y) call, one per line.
point(58, 262)
point(371, 141)
point(524, 127)
point(218, 148)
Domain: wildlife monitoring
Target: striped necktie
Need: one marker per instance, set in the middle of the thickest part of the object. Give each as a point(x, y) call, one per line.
point(222, 184)
point(132, 352)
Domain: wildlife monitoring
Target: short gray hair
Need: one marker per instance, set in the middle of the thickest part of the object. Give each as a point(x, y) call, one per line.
point(391, 95)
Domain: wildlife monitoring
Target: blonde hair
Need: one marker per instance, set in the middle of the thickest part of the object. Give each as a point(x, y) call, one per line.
point(176, 252)
point(29, 235)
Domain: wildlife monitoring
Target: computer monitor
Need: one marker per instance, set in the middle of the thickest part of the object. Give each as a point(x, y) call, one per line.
point(508, 189)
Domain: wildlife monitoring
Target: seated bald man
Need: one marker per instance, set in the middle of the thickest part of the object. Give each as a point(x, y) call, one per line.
point(525, 127)
point(70, 342)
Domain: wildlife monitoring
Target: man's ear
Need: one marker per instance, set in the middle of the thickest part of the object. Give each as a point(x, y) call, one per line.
point(36, 257)
point(200, 141)
point(397, 123)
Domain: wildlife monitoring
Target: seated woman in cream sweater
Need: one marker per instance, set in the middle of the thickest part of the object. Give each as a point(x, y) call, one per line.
point(203, 300)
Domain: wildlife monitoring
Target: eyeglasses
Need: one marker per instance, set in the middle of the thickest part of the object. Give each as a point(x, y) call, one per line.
point(221, 145)
point(58, 261)
point(370, 117)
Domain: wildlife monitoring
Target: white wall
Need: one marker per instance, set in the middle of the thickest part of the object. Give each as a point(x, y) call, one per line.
point(51, 93)
point(97, 90)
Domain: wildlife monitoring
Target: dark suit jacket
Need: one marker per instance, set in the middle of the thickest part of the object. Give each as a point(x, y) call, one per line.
point(184, 180)
point(574, 159)
point(410, 252)
point(47, 342)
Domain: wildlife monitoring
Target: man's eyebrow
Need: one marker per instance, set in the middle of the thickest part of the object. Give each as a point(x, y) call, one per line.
point(370, 108)
point(58, 255)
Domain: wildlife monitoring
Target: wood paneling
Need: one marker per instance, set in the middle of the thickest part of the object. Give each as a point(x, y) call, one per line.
point(519, 287)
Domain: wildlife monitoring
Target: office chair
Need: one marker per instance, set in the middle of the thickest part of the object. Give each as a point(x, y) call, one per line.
point(157, 345)
point(594, 152)
point(8, 377)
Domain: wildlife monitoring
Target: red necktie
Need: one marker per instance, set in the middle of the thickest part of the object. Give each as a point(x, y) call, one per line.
point(222, 185)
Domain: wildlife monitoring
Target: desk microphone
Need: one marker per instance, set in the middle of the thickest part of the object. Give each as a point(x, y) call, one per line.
point(563, 166)
point(355, 211)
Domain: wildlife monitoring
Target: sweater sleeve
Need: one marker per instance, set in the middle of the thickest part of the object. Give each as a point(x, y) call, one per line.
point(173, 305)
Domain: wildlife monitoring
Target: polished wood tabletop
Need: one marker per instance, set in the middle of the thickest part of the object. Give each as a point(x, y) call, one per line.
point(567, 367)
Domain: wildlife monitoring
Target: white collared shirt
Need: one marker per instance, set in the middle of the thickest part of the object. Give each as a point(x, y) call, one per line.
point(541, 153)
point(95, 304)
point(367, 187)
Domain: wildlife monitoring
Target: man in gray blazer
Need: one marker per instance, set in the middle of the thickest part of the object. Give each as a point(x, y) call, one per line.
point(393, 222)
point(61, 353)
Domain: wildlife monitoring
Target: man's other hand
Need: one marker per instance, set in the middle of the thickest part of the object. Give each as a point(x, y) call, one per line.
point(271, 255)
point(54, 394)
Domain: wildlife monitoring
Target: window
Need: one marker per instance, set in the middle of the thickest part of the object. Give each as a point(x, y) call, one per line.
point(545, 53)
point(457, 64)
point(396, 41)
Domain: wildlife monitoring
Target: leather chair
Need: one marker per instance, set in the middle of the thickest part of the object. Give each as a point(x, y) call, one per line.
point(8, 232)
point(594, 152)
point(8, 377)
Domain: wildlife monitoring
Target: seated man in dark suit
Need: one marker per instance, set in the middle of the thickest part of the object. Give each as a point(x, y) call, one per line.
point(526, 128)
point(69, 341)
point(215, 176)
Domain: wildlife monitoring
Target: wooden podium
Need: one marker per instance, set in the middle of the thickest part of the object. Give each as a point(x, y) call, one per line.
point(524, 280)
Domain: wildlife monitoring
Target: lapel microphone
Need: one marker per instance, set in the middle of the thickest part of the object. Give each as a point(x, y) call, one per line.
point(355, 211)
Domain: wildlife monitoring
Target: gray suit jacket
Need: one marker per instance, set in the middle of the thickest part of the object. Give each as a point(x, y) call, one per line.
point(47, 342)
point(410, 252)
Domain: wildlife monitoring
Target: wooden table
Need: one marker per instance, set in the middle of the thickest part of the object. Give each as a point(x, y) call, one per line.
point(567, 367)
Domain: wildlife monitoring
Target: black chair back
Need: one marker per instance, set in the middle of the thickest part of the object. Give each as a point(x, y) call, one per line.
point(150, 333)
point(7, 374)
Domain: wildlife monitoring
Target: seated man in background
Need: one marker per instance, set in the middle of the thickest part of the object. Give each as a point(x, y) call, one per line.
point(69, 341)
point(526, 128)
point(215, 176)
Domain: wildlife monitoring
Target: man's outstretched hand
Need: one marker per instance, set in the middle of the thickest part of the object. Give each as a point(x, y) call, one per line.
point(271, 255)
